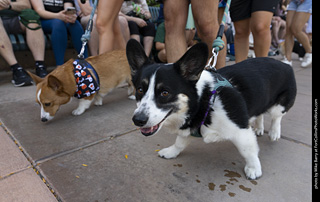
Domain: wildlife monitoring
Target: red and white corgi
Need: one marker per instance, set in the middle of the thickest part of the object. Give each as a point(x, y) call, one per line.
point(108, 70)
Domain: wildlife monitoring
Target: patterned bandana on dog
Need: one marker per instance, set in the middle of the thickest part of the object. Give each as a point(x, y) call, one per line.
point(86, 84)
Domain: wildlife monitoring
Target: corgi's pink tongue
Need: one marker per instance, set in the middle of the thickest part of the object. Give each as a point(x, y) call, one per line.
point(149, 131)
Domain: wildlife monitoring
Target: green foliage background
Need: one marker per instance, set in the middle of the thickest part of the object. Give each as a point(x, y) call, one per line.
point(152, 3)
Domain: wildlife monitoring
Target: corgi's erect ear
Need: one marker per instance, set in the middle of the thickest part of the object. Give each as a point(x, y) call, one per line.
point(54, 83)
point(35, 78)
point(136, 55)
point(192, 63)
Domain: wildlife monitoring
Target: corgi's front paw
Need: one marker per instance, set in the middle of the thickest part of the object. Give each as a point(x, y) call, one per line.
point(169, 153)
point(98, 102)
point(78, 111)
point(253, 173)
point(259, 131)
point(83, 105)
point(274, 134)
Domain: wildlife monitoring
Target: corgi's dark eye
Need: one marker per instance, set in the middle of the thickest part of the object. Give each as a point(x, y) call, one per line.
point(140, 90)
point(164, 93)
point(47, 104)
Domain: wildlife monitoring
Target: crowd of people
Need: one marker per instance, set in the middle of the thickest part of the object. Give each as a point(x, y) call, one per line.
point(272, 23)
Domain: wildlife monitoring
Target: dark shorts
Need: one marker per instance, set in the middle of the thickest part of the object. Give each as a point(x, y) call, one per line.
point(242, 9)
point(12, 25)
point(148, 30)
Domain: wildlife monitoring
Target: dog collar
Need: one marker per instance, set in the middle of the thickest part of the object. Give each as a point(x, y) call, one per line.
point(86, 83)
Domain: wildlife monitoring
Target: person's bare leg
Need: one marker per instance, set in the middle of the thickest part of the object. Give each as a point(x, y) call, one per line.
point(136, 37)
point(289, 40)
point(6, 50)
point(125, 31)
point(35, 41)
point(260, 26)
point(205, 15)
point(119, 42)
point(176, 14)
point(147, 43)
point(108, 25)
point(190, 33)
point(274, 32)
point(241, 39)
point(162, 55)
point(299, 21)
point(282, 29)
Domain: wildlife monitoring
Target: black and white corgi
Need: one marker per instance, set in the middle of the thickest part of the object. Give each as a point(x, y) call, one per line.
point(219, 105)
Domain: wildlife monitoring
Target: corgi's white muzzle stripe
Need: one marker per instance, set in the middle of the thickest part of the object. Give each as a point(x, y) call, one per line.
point(45, 116)
point(147, 107)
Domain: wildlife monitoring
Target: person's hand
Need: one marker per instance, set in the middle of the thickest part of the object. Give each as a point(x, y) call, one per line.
point(4, 4)
point(143, 12)
point(140, 22)
point(67, 18)
point(146, 14)
point(70, 18)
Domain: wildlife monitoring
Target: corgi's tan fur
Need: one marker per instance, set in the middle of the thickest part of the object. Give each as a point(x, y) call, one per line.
point(58, 87)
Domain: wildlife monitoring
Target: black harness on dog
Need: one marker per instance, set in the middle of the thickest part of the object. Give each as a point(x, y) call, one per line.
point(220, 83)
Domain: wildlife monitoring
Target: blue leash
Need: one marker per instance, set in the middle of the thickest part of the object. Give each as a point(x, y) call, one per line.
point(87, 34)
point(218, 43)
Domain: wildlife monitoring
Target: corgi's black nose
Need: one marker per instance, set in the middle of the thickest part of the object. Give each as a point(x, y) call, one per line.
point(140, 119)
point(44, 119)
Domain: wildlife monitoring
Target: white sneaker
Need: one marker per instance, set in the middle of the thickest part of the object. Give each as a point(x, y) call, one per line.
point(286, 61)
point(307, 60)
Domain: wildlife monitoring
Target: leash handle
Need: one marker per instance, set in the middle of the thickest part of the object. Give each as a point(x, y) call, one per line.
point(218, 43)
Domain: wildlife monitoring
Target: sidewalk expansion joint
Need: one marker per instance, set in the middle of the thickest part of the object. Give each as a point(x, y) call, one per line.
point(15, 172)
point(296, 141)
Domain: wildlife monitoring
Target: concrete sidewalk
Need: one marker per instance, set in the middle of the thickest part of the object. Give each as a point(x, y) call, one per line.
point(100, 155)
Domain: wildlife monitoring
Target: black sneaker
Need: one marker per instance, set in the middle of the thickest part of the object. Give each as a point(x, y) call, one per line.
point(41, 71)
point(20, 77)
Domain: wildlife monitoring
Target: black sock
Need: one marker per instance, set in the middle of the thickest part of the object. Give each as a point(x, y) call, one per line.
point(15, 67)
point(40, 64)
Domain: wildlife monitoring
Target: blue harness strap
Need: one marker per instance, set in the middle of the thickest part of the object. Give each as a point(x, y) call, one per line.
point(86, 83)
point(220, 82)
